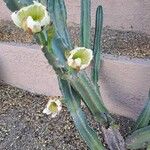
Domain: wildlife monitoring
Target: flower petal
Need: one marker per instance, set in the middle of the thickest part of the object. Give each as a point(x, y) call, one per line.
point(31, 18)
point(54, 115)
point(15, 19)
point(53, 107)
point(47, 111)
point(34, 26)
point(80, 58)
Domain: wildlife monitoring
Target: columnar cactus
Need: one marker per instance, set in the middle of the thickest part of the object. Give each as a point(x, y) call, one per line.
point(46, 20)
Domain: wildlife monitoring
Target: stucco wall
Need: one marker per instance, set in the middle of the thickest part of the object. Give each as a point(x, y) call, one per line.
point(118, 14)
point(124, 83)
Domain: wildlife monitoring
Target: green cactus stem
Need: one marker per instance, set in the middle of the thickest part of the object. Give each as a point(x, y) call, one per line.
point(148, 147)
point(57, 10)
point(85, 23)
point(72, 101)
point(139, 139)
point(144, 118)
point(97, 45)
point(91, 98)
point(14, 5)
point(46, 39)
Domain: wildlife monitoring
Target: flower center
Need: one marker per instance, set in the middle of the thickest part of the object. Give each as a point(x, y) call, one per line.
point(53, 107)
point(83, 55)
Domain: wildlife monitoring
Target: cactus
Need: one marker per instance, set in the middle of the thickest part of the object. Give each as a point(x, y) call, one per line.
point(85, 23)
point(91, 98)
point(139, 139)
point(75, 84)
point(148, 147)
point(58, 14)
point(14, 5)
point(72, 102)
point(144, 118)
point(97, 45)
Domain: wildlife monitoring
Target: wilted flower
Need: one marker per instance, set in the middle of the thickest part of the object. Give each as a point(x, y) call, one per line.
point(80, 58)
point(31, 18)
point(53, 107)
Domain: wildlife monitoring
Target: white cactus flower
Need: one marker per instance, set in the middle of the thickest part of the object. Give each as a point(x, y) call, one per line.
point(31, 18)
point(53, 107)
point(80, 58)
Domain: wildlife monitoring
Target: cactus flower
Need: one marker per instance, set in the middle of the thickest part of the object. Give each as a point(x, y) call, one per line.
point(80, 58)
point(53, 107)
point(31, 18)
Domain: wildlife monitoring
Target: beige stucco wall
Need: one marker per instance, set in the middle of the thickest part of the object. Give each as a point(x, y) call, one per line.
point(118, 14)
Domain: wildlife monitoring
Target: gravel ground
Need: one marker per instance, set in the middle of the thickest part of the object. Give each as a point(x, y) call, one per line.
point(23, 126)
point(9, 32)
point(115, 42)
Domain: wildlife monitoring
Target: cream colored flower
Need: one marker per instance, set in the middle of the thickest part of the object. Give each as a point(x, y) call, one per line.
point(31, 18)
point(53, 107)
point(80, 58)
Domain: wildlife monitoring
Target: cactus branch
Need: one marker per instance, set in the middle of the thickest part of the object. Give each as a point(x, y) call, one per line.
point(139, 139)
point(79, 118)
point(144, 118)
point(58, 15)
point(47, 47)
point(14, 5)
point(85, 23)
point(97, 45)
point(91, 98)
